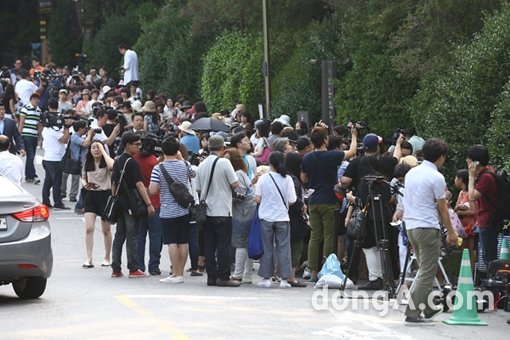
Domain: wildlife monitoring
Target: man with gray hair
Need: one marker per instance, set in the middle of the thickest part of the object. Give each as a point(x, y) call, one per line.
point(216, 179)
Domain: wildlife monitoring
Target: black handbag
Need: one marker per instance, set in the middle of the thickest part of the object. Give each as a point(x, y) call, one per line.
point(357, 226)
point(112, 208)
point(68, 165)
point(200, 210)
point(178, 190)
point(135, 204)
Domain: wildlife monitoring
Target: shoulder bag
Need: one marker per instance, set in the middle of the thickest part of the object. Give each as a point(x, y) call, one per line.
point(178, 190)
point(263, 159)
point(112, 208)
point(357, 227)
point(68, 165)
point(136, 206)
point(200, 210)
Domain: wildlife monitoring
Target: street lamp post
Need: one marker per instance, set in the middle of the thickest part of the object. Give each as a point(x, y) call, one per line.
point(265, 65)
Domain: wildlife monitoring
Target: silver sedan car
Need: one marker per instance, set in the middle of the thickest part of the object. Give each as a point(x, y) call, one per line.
point(26, 258)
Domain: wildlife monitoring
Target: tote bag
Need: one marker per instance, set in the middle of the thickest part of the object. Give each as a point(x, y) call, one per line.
point(255, 243)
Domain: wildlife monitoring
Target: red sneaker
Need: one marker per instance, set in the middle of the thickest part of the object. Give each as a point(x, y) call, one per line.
point(117, 274)
point(137, 274)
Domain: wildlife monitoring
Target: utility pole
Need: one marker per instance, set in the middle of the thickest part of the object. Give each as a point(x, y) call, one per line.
point(265, 65)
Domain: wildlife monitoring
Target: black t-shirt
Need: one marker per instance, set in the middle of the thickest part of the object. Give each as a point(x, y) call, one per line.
point(108, 129)
point(359, 167)
point(321, 169)
point(6, 99)
point(132, 173)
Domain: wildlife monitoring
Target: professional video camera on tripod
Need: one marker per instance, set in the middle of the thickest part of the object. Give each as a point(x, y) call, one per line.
point(374, 215)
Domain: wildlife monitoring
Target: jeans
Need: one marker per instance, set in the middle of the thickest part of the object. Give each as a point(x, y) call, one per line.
point(193, 245)
point(127, 230)
point(79, 204)
point(489, 243)
point(30, 149)
point(427, 248)
point(276, 238)
point(75, 185)
point(152, 225)
point(322, 218)
point(217, 235)
point(52, 179)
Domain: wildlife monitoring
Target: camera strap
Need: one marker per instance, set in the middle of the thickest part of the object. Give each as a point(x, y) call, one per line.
point(123, 171)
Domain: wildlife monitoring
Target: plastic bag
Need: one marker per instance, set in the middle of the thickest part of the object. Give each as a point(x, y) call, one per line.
point(331, 274)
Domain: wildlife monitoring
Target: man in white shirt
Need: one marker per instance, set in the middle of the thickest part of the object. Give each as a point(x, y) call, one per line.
point(25, 88)
point(54, 145)
point(218, 196)
point(130, 64)
point(425, 207)
point(11, 166)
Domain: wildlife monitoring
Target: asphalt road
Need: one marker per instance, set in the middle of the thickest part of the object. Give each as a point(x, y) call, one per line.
point(89, 304)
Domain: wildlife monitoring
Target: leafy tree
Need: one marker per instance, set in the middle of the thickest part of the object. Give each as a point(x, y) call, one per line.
point(63, 43)
point(458, 106)
point(115, 30)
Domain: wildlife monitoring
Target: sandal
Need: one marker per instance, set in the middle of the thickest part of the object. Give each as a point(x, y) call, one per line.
point(106, 264)
point(87, 265)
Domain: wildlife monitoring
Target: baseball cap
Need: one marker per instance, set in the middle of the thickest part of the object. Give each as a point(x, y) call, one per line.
point(371, 141)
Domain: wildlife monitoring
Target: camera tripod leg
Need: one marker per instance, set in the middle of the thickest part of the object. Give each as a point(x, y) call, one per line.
point(383, 247)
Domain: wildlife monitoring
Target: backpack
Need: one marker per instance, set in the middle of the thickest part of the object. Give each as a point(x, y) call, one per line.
point(178, 190)
point(502, 204)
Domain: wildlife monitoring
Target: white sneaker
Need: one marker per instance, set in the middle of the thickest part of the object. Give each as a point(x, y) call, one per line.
point(266, 283)
point(172, 279)
point(284, 284)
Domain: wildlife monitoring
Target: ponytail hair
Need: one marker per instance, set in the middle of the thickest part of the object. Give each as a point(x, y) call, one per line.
point(277, 160)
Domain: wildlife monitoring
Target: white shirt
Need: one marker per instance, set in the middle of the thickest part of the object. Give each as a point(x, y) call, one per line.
point(424, 186)
point(53, 149)
point(130, 66)
point(11, 166)
point(272, 208)
point(24, 89)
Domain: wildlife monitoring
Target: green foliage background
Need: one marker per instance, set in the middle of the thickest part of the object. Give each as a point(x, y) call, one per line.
point(441, 66)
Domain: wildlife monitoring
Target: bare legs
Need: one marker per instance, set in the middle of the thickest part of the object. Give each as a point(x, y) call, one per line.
point(90, 221)
point(178, 255)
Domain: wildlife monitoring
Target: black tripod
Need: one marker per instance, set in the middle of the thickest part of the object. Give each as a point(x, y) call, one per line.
point(374, 202)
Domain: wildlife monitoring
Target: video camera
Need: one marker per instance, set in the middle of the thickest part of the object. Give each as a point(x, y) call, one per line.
point(56, 120)
point(151, 145)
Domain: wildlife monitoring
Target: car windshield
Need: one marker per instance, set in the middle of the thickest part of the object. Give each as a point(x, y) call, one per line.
point(8, 188)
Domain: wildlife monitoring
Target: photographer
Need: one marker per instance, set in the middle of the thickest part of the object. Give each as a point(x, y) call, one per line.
point(79, 146)
point(373, 164)
point(102, 119)
point(25, 88)
point(55, 139)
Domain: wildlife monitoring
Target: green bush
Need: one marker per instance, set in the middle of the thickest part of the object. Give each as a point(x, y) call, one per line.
point(457, 106)
point(231, 72)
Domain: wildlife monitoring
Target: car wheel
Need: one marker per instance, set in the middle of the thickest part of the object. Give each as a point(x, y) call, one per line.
point(29, 288)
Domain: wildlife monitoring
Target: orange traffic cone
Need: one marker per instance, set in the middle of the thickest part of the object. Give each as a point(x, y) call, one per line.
point(504, 254)
point(464, 308)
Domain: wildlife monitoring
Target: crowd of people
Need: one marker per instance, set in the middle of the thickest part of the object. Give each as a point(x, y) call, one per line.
point(303, 184)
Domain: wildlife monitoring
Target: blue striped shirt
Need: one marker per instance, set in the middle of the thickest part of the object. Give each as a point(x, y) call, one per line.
point(179, 171)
